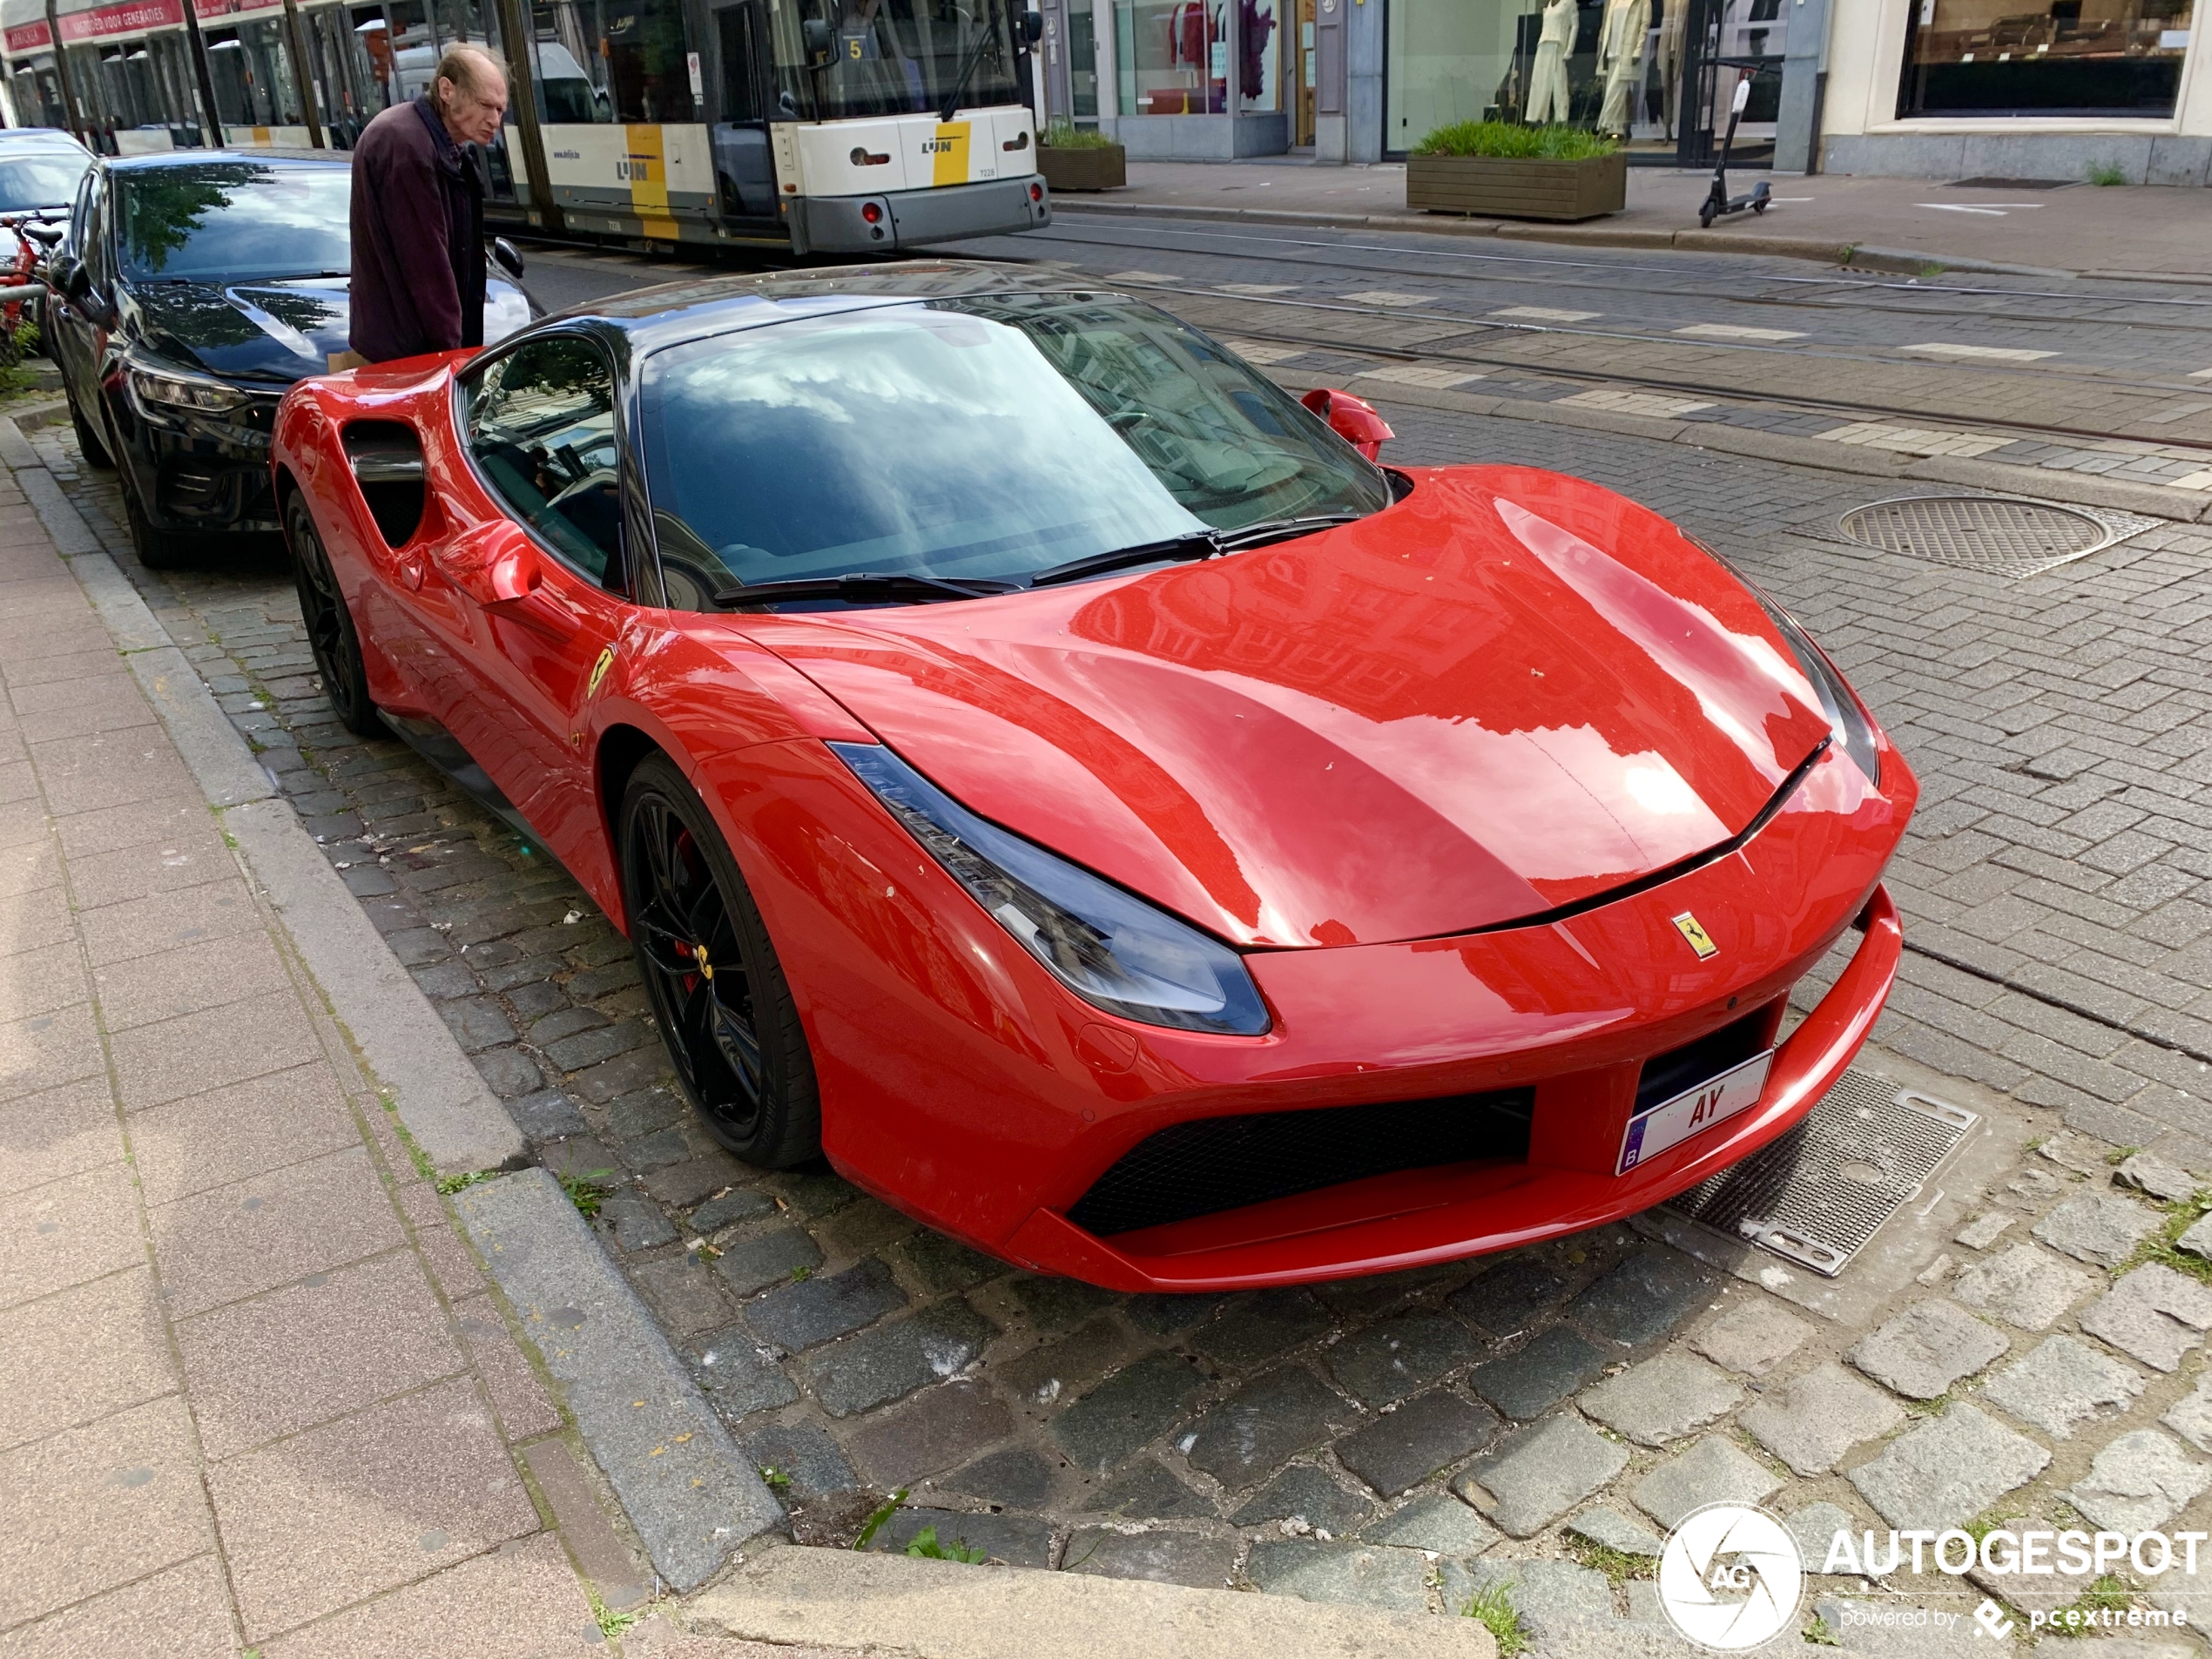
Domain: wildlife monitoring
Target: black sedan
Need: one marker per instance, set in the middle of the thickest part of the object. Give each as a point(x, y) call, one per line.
point(193, 291)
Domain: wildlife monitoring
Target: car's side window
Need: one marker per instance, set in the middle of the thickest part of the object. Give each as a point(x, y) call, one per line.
point(541, 426)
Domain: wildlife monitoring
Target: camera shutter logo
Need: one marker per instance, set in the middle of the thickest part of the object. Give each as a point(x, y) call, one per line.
point(1731, 1577)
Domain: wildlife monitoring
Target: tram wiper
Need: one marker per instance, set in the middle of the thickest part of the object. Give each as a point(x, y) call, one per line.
point(1281, 529)
point(1196, 544)
point(860, 590)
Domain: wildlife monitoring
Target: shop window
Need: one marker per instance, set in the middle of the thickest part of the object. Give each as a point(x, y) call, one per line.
point(2118, 57)
point(1172, 56)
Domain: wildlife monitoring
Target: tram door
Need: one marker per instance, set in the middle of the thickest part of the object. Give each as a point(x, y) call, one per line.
point(744, 168)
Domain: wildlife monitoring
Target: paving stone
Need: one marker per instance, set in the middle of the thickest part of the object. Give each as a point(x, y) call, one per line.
point(1948, 1470)
point(1048, 1305)
point(1436, 1521)
point(1512, 1296)
point(682, 1295)
point(1529, 1383)
point(2168, 1182)
point(1162, 1557)
point(1713, 1471)
point(2196, 1237)
point(1927, 1348)
point(750, 1265)
point(824, 1307)
point(1264, 1424)
point(1430, 1431)
point(1044, 1374)
point(1146, 1491)
point(2025, 1287)
point(1983, 1230)
point(931, 1432)
point(1539, 1472)
point(2062, 1384)
point(1665, 1399)
point(2099, 1227)
point(941, 1266)
point(894, 1359)
point(2191, 1416)
point(1396, 1357)
point(1810, 1421)
point(1362, 1574)
point(1016, 1478)
point(805, 1453)
point(1163, 1315)
point(546, 1116)
point(1815, 1527)
point(1607, 1526)
point(739, 1376)
point(1130, 1409)
point(1303, 1493)
point(739, 1204)
point(2075, 1152)
point(2138, 1482)
point(1262, 1330)
point(1543, 1591)
point(1643, 1297)
point(2154, 1313)
point(1753, 1337)
point(1015, 1540)
point(634, 1220)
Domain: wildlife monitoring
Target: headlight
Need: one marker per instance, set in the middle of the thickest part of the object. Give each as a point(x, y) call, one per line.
point(164, 394)
point(1107, 946)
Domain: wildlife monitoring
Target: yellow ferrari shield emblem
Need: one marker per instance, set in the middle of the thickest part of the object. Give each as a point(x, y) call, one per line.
point(599, 672)
point(1694, 930)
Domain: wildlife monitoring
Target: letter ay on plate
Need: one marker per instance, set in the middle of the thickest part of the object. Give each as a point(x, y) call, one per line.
point(1672, 1121)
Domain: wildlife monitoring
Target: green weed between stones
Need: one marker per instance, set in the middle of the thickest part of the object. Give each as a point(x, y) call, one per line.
point(1617, 1565)
point(2160, 1246)
point(874, 1524)
point(2107, 1594)
point(2107, 172)
point(924, 1546)
point(449, 1184)
point(612, 1624)
point(1496, 1611)
point(1820, 1633)
point(774, 1476)
point(586, 1192)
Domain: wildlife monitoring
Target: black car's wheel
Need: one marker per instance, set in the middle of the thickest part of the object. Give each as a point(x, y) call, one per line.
point(718, 995)
point(330, 624)
point(89, 441)
point(158, 549)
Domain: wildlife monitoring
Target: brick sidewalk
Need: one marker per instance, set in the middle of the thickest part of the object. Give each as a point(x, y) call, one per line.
point(258, 1393)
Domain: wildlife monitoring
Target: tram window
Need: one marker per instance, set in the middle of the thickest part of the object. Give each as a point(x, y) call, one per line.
point(741, 74)
point(542, 428)
point(893, 57)
point(637, 46)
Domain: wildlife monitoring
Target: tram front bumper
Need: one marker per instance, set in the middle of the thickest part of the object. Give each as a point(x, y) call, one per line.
point(907, 218)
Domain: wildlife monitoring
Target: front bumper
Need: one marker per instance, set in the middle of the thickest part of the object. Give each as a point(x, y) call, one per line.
point(909, 217)
point(197, 473)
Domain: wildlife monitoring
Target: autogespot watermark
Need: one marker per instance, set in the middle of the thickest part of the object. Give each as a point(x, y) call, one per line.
point(1731, 1577)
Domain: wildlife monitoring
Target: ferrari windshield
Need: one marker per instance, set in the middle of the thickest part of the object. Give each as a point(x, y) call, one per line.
point(980, 438)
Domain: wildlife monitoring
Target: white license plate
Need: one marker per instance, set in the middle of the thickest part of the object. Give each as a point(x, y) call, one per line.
point(1672, 1121)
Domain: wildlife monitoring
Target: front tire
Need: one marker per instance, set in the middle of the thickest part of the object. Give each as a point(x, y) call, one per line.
point(158, 549)
point(331, 635)
point(89, 441)
point(718, 994)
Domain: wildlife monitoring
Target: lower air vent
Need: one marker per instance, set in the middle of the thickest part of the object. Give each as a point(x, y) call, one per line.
point(1216, 1164)
point(1678, 1070)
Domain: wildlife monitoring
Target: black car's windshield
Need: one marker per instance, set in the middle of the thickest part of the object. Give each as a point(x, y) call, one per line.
point(47, 178)
point(233, 221)
point(989, 438)
point(891, 57)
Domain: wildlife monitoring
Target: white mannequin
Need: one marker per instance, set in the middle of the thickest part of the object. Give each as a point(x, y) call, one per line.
point(1547, 80)
point(1620, 60)
point(1674, 24)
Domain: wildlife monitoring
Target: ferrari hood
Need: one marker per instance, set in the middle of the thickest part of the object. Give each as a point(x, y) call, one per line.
point(1510, 691)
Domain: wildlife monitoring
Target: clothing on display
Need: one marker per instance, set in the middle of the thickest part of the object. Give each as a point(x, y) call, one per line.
point(1674, 18)
point(1548, 90)
point(1620, 62)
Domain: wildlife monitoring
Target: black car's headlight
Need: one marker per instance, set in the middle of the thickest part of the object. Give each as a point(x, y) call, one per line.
point(1107, 946)
point(164, 394)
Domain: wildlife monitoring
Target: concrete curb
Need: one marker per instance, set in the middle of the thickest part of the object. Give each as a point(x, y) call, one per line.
point(692, 1496)
point(834, 1598)
point(1903, 261)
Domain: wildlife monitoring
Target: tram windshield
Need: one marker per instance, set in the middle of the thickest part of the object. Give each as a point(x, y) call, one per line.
point(986, 438)
point(891, 57)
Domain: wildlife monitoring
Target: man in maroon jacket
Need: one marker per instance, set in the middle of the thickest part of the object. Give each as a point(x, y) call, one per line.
point(418, 214)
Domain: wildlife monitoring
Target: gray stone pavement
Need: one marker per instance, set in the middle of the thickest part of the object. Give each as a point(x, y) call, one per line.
point(1318, 1442)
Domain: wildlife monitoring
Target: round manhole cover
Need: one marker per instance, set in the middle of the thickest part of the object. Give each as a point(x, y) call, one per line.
point(1984, 530)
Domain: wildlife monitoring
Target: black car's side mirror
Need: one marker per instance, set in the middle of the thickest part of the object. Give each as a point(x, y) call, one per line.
point(71, 277)
point(507, 256)
point(814, 36)
point(1032, 28)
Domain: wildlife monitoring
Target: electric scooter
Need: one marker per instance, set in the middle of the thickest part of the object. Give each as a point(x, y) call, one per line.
point(1718, 203)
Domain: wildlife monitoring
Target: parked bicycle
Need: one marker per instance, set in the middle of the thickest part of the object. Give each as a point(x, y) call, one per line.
point(22, 279)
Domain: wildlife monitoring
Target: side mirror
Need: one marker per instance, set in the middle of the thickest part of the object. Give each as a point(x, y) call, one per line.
point(1032, 28)
point(72, 277)
point(507, 256)
point(815, 39)
point(492, 562)
point(1351, 418)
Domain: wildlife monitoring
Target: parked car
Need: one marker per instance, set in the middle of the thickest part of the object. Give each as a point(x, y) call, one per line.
point(1046, 769)
point(41, 169)
point(192, 290)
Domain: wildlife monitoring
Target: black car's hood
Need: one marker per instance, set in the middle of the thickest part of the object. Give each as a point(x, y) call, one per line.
point(274, 330)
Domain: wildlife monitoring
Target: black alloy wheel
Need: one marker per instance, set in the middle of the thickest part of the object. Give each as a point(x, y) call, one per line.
point(718, 995)
point(331, 637)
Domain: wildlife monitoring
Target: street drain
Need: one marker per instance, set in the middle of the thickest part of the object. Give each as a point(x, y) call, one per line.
point(1818, 1193)
point(2004, 535)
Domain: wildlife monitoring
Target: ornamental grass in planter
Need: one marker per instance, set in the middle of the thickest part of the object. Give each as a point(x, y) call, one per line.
point(1073, 158)
point(1503, 169)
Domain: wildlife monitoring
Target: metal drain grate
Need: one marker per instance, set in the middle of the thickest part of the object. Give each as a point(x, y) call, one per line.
point(2004, 535)
point(1818, 1194)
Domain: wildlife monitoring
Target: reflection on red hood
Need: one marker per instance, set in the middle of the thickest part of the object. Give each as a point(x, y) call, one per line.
point(1511, 691)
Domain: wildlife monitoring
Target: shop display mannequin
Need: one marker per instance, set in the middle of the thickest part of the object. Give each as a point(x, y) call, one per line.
point(1547, 80)
point(1673, 20)
point(1620, 61)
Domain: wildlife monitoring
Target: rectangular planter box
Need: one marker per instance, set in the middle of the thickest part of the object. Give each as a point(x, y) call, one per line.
point(1086, 169)
point(1499, 187)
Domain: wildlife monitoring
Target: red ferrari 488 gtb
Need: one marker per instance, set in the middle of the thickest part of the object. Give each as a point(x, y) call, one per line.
point(1069, 784)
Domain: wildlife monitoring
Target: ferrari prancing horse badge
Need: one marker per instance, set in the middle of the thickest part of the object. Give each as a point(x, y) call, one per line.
point(1694, 930)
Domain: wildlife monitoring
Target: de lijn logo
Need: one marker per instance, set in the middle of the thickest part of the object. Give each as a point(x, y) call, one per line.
point(1731, 1577)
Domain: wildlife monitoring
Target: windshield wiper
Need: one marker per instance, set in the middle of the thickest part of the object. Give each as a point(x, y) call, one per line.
point(951, 105)
point(1277, 529)
point(1196, 544)
point(860, 590)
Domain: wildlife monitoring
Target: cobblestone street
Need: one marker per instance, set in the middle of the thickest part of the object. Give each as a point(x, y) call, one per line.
point(2029, 1344)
